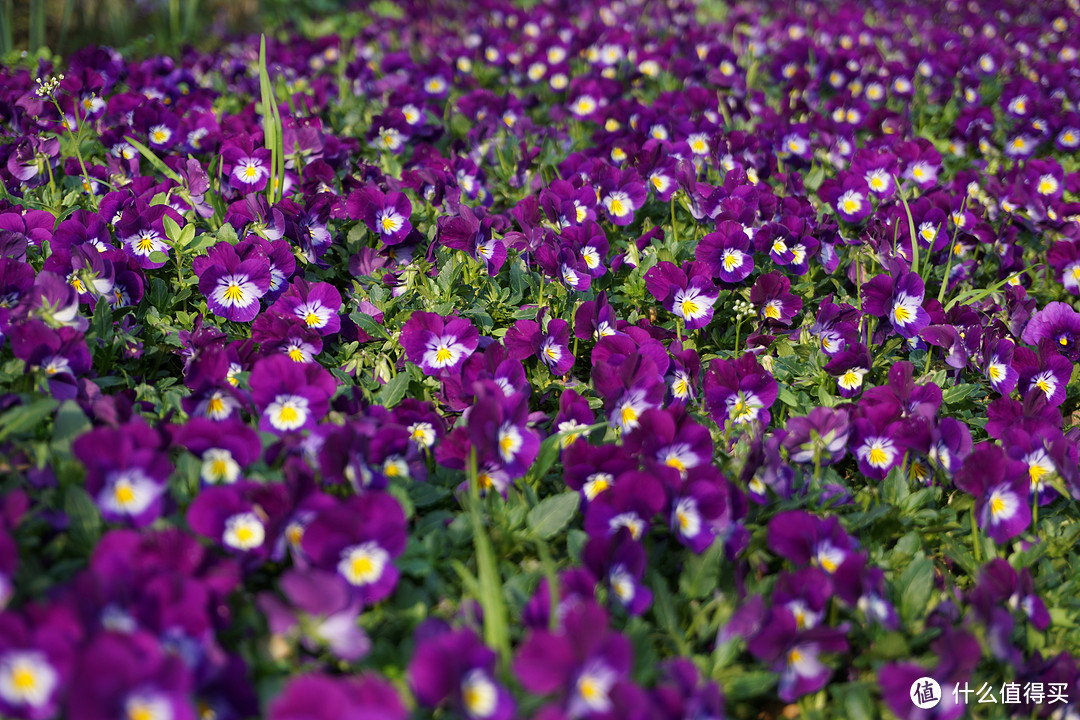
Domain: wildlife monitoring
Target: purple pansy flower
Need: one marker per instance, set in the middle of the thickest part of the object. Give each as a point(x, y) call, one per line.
point(455, 666)
point(1044, 370)
point(795, 653)
point(144, 680)
point(317, 304)
point(727, 252)
point(1059, 323)
point(1000, 487)
point(386, 215)
point(582, 665)
point(689, 294)
point(805, 539)
point(358, 538)
point(320, 610)
point(438, 344)
point(289, 395)
point(739, 390)
point(241, 517)
point(233, 285)
point(126, 471)
point(225, 448)
point(774, 303)
point(620, 561)
point(525, 339)
point(898, 297)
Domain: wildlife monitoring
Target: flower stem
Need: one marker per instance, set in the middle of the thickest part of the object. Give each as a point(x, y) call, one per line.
point(496, 632)
point(975, 542)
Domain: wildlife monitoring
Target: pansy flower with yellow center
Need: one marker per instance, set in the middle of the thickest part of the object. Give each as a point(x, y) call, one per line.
point(739, 391)
point(142, 233)
point(233, 285)
point(775, 304)
point(358, 539)
point(385, 214)
point(224, 448)
point(1001, 487)
point(689, 295)
point(28, 683)
point(620, 561)
point(290, 396)
point(438, 344)
point(621, 193)
point(727, 252)
point(126, 471)
point(315, 304)
point(898, 297)
point(454, 666)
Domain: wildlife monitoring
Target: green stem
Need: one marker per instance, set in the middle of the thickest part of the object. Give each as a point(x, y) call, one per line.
point(496, 631)
point(674, 227)
point(975, 542)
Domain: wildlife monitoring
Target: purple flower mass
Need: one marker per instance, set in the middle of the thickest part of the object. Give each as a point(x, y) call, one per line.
point(544, 360)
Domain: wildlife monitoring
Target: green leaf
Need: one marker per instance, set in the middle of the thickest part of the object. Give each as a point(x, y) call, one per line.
point(154, 160)
point(70, 423)
point(368, 324)
point(917, 583)
point(84, 518)
point(393, 391)
point(158, 257)
point(787, 397)
point(553, 514)
point(702, 572)
point(26, 417)
point(172, 229)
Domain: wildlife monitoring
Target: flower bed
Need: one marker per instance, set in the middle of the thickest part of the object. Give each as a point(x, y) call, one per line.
point(624, 361)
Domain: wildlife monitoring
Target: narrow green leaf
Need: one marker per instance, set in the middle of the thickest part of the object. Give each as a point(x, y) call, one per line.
point(154, 160)
point(26, 417)
point(553, 514)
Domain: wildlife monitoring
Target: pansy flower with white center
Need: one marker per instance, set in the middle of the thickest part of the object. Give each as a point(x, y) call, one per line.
point(875, 441)
point(438, 344)
point(849, 367)
point(240, 516)
point(1001, 487)
point(740, 391)
point(526, 339)
point(591, 661)
point(727, 252)
point(849, 195)
point(386, 215)
point(689, 295)
point(775, 304)
point(455, 666)
point(127, 468)
point(28, 683)
point(357, 539)
point(1045, 371)
point(224, 448)
point(233, 285)
point(128, 494)
point(621, 193)
point(289, 395)
point(316, 304)
point(142, 233)
point(621, 561)
point(899, 298)
point(472, 234)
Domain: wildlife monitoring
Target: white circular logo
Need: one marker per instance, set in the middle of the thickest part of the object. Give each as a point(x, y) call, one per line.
point(925, 693)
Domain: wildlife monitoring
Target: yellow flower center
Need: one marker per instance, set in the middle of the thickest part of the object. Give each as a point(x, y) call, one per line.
point(234, 293)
